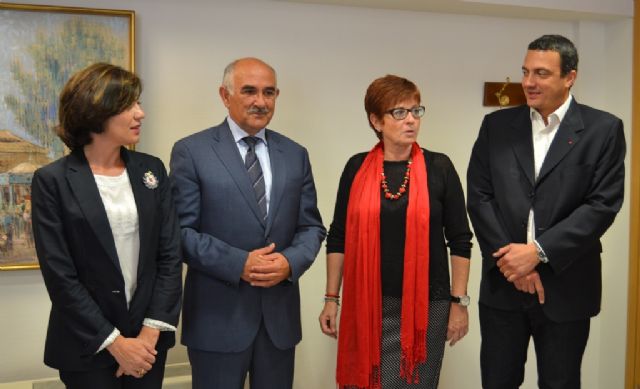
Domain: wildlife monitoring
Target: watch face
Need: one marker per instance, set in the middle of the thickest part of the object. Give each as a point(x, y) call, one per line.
point(462, 300)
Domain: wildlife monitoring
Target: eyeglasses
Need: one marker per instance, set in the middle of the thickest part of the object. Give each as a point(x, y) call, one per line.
point(401, 113)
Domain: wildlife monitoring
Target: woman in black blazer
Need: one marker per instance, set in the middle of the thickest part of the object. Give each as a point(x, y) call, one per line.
point(107, 240)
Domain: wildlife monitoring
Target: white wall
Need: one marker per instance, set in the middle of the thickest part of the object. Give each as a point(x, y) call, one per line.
point(325, 57)
point(609, 7)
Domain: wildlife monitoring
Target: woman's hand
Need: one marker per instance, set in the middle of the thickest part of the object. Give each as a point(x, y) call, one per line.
point(149, 335)
point(458, 323)
point(328, 319)
point(134, 356)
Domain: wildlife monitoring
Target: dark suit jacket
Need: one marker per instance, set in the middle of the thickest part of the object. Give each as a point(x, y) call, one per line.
point(575, 199)
point(80, 265)
point(221, 223)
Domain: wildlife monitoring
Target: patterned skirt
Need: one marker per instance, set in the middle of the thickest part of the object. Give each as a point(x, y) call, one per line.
point(429, 372)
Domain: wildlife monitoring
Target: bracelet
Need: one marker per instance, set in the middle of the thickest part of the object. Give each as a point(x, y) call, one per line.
point(332, 295)
point(332, 299)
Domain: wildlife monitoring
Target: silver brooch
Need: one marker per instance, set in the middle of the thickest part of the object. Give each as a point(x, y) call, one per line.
point(150, 181)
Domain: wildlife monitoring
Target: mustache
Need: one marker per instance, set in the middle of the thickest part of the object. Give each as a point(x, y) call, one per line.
point(258, 110)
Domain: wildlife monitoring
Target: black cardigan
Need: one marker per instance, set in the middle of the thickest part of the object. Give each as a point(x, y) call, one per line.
point(449, 225)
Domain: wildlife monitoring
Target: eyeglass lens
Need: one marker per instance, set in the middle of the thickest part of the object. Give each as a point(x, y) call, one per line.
point(401, 113)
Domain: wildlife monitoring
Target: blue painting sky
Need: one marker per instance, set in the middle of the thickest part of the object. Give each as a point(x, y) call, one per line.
point(18, 30)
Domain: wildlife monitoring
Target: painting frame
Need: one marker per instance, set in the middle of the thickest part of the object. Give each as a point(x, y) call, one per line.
point(18, 184)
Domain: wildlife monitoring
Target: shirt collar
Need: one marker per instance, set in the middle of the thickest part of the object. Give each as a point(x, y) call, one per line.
point(238, 133)
point(558, 113)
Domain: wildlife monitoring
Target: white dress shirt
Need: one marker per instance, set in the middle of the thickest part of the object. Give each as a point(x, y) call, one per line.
point(543, 135)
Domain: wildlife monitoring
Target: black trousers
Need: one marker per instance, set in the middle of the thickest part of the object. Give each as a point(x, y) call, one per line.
point(505, 339)
point(105, 378)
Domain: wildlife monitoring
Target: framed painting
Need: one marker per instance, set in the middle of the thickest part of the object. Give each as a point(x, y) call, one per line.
point(41, 47)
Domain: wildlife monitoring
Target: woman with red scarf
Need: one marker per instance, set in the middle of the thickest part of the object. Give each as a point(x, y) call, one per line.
point(398, 209)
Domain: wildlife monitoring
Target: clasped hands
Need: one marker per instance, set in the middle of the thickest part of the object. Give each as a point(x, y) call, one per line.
point(135, 356)
point(265, 267)
point(517, 263)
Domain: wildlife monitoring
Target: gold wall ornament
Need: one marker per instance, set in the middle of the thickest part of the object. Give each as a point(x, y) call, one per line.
point(503, 99)
point(503, 94)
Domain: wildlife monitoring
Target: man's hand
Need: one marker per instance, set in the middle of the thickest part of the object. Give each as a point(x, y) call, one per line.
point(531, 283)
point(134, 356)
point(267, 274)
point(266, 268)
point(516, 260)
point(255, 258)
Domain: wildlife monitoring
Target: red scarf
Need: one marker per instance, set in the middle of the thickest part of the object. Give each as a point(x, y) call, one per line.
point(361, 319)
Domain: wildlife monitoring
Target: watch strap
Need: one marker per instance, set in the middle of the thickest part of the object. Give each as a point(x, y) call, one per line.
point(463, 300)
point(542, 256)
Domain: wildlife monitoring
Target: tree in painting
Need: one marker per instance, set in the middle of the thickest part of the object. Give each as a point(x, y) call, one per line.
point(55, 56)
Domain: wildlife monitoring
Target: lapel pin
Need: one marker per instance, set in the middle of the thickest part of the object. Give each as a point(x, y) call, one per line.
point(570, 141)
point(149, 180)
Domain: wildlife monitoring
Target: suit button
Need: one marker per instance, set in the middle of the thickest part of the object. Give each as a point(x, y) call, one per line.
point(532, 195)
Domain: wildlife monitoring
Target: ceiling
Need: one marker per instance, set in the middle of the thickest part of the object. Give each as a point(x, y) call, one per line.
point(471, 7)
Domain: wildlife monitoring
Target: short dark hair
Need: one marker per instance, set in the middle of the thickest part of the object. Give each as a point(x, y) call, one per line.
point(90, 98)
point(561, 45)
point(384, 93)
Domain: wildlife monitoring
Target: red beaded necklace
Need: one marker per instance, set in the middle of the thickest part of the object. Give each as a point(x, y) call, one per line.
point(403, 187)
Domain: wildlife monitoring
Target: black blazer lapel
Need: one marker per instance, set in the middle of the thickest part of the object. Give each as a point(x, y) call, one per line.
point(145, 202)
point(225, 147)
point(566, 138)
point(85, 190)
point(522, 143)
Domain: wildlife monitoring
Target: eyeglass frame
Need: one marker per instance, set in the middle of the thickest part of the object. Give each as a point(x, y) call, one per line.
point(406, 111)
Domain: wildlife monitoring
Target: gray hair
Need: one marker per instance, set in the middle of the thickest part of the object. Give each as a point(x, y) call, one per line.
point(227, 77)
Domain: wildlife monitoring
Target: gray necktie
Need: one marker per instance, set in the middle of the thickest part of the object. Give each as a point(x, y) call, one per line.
point(255, 174)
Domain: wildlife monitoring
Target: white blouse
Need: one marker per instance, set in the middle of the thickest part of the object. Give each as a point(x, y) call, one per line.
point(118, 200)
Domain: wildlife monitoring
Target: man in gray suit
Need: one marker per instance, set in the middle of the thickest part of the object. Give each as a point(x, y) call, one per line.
point(246, 201)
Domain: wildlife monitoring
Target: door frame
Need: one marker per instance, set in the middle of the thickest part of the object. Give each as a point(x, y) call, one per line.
point(632, 376)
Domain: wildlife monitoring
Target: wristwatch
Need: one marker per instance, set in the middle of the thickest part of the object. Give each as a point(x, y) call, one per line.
point(542, 256)
point(463, 300)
